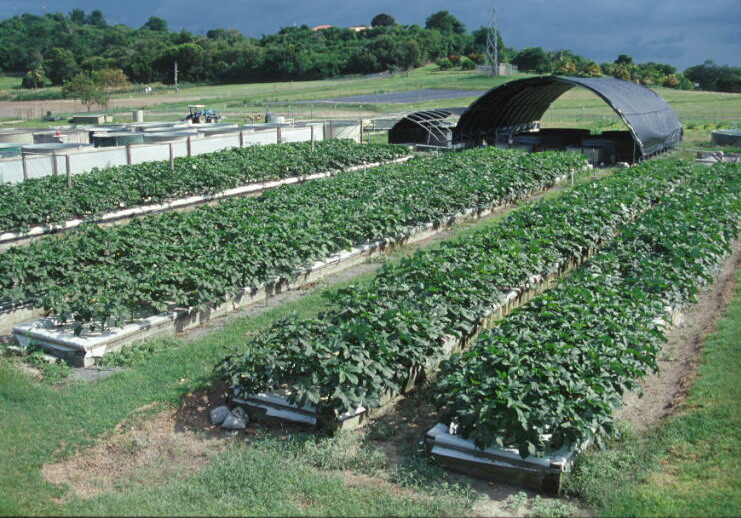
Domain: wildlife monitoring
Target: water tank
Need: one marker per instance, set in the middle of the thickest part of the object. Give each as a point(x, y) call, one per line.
point(342, 130)
point(116, 138)
point(218, 128)
point(726, 138)
point(10, 149)
point(169, 126)
point(17, 136)
point(64, 136)
point(49, 149)
point(143, 126)
point(169, 136)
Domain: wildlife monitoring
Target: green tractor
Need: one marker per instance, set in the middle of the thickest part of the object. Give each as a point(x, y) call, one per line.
point(200, 115)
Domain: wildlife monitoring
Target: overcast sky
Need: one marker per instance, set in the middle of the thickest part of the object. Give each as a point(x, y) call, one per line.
point(679, 32)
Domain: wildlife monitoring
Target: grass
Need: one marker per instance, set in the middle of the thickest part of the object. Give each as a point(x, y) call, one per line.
point(240, 101)
point(691, 464)
point(271, 477)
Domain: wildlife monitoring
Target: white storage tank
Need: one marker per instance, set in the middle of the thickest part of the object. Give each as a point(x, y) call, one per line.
point(342, 130)
point(10, 149)
point(17, 136)
point(169, 136)
point(59, 149)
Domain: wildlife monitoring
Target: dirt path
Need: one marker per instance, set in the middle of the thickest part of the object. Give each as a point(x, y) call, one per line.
point(678, 361)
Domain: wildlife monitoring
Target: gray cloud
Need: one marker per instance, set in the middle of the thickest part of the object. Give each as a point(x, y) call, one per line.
point(679, 32)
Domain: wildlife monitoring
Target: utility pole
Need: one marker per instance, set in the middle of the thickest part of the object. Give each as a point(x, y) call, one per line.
point(177, 86)
point(492, 40)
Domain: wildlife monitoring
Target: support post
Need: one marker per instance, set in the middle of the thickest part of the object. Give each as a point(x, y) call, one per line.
point(190, 146)
point(361, 131)
point(313, 138)
point(280, 135)
point(172, 157)
point(241, 138)
point(68, 163)
point(128, 154)
point(24, 163)
point(54, 167)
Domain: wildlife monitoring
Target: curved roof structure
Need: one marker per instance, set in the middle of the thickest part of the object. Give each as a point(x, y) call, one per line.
point(517, 105)
point(423, 126)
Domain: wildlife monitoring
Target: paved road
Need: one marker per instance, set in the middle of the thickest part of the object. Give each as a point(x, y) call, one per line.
point(405, 97)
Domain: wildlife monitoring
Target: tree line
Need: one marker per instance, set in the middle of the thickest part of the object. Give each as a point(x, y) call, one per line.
point(57, 49)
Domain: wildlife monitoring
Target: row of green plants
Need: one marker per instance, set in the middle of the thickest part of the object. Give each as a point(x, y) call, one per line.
point(48, 200)
point(553, 372)
point(374, 335)
point(197, 258)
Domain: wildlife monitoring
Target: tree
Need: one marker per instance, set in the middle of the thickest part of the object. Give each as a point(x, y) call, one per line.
point(34, 78)
point(188, 56)
point(624, 59)
point(111, 78)
point(60, 65)
point(466, 63)
point(710, 76)
point(444, 64)
point(593, 69)
point(97, 63)
point(532, 59)
point(96, 18)
point(88, 88)
point(155, 23)
point(622, 72)
point(445, 22)
point(566, 67)
point(77, 16)
point(383, 20)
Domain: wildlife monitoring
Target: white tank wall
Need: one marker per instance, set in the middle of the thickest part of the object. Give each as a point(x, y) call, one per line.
point(261, 137)
point(213, 144)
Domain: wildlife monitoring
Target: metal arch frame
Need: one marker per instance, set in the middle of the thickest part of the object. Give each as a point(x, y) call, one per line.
point(526, 100)
point(430, 121)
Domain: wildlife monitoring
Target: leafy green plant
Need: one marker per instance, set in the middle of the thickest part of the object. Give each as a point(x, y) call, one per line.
point(51, 372)
point(137, 352)
point(375, 335)
point(197, 259)
point(553, 371)
point(48, 200)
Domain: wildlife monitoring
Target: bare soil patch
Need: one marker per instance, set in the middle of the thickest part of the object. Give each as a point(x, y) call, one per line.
point(664, 391)
point(144, 450)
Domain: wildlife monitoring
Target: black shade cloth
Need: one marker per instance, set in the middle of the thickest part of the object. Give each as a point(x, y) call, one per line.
point(651, 121)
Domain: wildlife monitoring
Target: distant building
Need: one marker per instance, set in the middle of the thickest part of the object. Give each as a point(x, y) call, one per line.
point(357, 28)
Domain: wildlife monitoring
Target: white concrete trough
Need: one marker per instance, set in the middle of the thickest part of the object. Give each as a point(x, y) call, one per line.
point(275, 407)
point(542, 472)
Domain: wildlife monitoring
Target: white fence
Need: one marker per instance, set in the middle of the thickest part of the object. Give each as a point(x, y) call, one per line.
point(15, 170)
